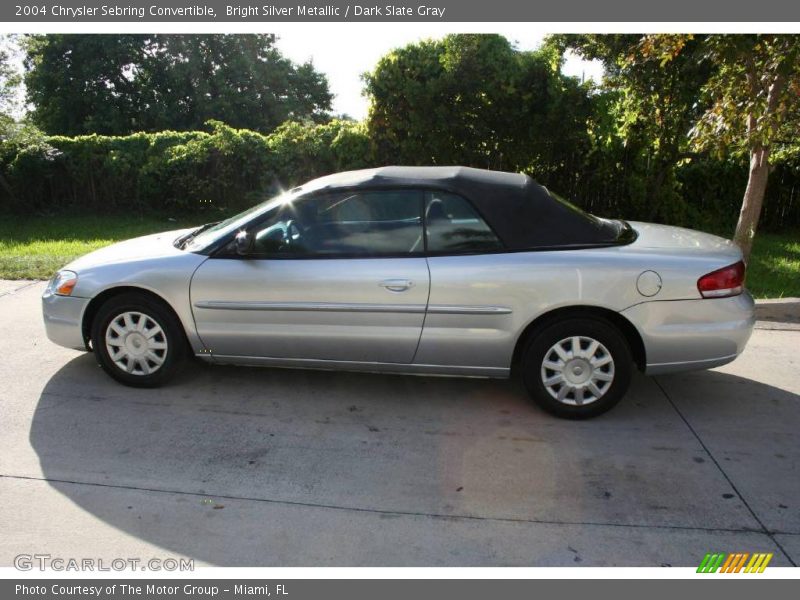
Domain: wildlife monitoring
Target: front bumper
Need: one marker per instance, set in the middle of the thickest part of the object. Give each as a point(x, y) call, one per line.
point(682, 335)
point(63, 320)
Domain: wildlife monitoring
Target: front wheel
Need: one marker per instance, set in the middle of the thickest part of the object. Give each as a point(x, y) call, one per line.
point(577, 368)
point(137, 340)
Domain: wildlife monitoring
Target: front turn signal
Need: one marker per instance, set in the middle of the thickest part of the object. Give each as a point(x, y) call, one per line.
point(63, 283)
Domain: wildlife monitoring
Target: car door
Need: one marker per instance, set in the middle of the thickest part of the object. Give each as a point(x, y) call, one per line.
point(330, 277)
point(470, 320)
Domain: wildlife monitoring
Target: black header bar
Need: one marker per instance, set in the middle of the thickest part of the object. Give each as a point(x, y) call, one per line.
point(473, 11)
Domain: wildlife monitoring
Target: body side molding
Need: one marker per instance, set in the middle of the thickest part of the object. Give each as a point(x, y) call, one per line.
point(439, 309)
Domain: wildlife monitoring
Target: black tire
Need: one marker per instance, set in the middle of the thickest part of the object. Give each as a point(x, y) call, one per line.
point(540, 345)
point(172, 334)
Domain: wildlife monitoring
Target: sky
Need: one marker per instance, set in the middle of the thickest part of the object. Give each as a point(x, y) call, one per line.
point(343, 60)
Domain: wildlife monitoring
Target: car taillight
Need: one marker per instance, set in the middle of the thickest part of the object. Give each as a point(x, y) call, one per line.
point(724, 282)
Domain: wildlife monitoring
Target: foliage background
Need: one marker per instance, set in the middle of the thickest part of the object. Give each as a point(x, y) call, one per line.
point(224, 169)
point(617, 149)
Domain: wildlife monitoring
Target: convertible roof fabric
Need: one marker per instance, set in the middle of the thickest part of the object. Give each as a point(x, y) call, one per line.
point(522, 212)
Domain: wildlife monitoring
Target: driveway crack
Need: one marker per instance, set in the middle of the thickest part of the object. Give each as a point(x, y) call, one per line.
point(378, 511)
point(19, 289)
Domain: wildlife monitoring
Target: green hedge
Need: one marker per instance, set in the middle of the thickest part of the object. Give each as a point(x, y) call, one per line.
point(177, 172)
point(713, 191)
point(228, 169)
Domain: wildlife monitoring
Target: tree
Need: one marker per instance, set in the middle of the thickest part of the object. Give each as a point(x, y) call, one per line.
point(652, 105)
point(9, 84)
point(735, 95)
point(82, 83)
point(9, 77)
point(754, 104)
point(123, 83)
point(474, 100)
point(242, 80)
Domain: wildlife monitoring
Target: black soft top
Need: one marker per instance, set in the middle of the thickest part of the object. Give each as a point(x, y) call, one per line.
point(523, 213)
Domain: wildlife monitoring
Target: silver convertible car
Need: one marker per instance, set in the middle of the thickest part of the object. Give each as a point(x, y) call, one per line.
point(438, 270)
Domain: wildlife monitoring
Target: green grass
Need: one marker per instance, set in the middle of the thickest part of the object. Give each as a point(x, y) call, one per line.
point(774, 269)
point(35, 247)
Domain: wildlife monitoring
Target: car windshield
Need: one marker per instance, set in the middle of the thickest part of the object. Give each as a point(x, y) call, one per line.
point(207, 235)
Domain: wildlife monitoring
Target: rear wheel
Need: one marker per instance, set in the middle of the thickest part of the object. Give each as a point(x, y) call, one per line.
point(577, 368)
point(137, 340)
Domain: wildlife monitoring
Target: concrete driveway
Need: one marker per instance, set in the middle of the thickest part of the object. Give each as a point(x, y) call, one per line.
point(252, 467)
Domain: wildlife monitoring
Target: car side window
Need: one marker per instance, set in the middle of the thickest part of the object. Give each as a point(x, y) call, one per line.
point(453, 225)
point(368, 223)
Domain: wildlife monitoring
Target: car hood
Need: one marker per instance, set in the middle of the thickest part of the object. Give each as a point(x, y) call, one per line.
point(652, 235)
point(146, 247)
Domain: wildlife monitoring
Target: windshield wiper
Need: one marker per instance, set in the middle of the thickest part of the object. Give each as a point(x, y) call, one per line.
point(182, 241)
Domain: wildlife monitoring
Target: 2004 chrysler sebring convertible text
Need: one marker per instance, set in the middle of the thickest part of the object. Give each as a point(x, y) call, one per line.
point(444, 270)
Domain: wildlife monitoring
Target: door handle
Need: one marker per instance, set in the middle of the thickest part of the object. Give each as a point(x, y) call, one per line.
point(396, 285)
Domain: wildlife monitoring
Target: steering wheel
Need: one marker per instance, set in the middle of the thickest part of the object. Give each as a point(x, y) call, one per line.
point(292, 235)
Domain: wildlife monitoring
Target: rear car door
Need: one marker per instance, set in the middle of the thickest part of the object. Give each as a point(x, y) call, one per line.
point(469, 319)
point(331, 277)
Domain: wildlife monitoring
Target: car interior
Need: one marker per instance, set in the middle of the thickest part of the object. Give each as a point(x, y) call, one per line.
point(373, 223)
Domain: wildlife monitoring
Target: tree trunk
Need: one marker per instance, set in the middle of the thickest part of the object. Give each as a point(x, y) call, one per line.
point(753, 199)
point(759, 162)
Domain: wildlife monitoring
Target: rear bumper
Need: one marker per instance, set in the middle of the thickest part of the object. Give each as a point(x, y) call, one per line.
point(63, 320)
point(682, 335)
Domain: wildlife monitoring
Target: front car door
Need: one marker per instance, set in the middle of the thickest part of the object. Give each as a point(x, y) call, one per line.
point(331, 277)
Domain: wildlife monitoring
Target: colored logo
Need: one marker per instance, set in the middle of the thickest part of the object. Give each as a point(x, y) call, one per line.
point(734, 563)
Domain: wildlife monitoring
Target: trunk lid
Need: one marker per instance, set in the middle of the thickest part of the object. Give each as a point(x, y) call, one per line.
point(680, 239)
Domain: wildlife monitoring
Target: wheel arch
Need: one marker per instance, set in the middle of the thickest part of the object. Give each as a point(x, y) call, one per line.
point(625, 327)
point(95, 303)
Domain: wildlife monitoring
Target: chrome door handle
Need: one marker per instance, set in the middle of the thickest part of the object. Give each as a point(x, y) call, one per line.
point(396, 285)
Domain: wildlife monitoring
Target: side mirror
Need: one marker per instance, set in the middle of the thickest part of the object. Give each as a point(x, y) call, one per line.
point(243, 243)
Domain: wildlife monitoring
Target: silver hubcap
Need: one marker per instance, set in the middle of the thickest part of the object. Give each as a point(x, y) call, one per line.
point(136, 343)
point(577, 370)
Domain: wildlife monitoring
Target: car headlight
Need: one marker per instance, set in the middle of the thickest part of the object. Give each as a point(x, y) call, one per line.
point(62, 283)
